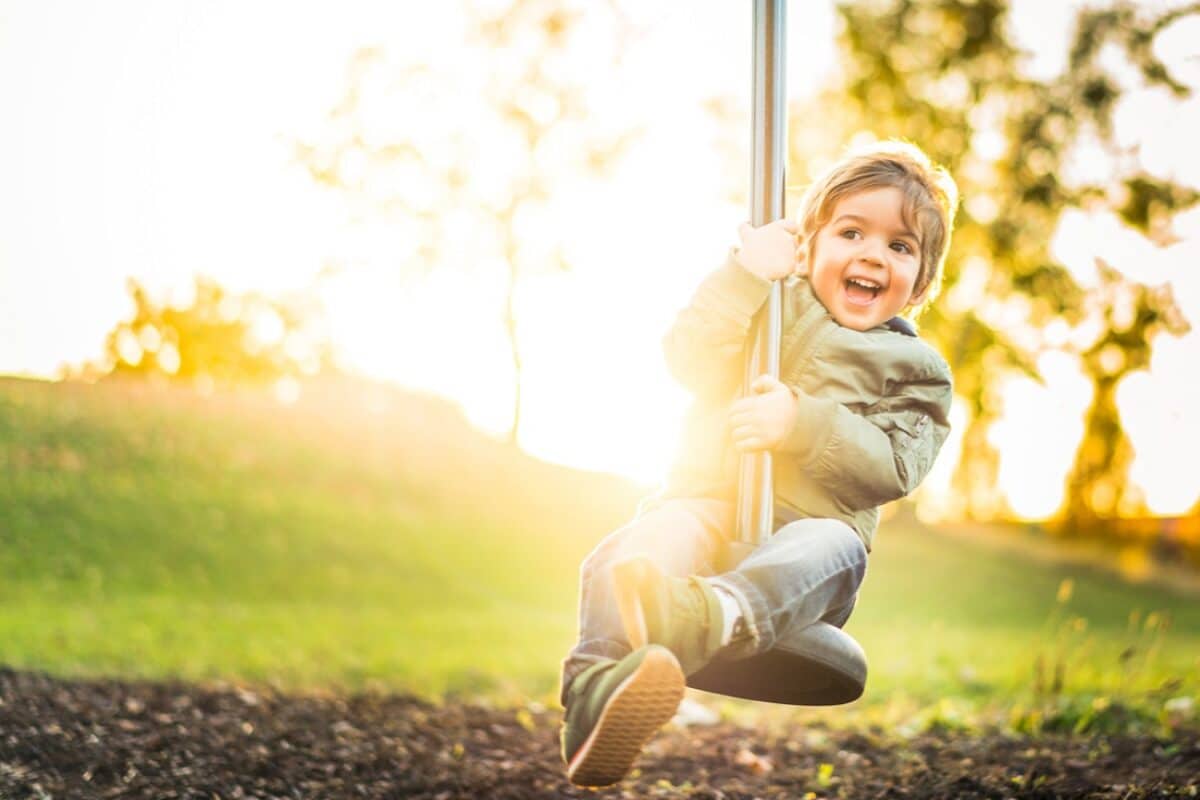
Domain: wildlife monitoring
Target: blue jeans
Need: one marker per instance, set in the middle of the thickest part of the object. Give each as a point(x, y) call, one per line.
point(809, 570)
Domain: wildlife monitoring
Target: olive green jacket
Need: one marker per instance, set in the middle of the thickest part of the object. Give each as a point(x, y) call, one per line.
point(873, 405)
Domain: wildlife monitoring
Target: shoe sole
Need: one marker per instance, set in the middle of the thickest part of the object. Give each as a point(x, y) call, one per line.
point(643, 703)
point(627, 577)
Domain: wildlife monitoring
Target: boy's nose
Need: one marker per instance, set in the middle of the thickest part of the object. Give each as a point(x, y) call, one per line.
point(872, 252)
point(871, 255)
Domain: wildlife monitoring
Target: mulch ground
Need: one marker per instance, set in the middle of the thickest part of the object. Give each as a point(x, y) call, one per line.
point(101, 739)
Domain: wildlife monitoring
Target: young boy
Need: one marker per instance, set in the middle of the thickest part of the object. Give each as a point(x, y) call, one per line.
point(855, 420)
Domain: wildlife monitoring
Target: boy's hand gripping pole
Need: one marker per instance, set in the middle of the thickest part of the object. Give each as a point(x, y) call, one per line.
point(756, 509)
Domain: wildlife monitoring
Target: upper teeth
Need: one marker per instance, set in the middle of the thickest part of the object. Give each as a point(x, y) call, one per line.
point(864, 284)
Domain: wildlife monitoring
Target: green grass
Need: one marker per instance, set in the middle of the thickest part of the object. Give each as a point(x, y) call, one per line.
point(961, 624)
point(368, 538)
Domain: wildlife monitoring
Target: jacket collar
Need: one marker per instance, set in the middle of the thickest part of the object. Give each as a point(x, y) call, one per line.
point(901, 325)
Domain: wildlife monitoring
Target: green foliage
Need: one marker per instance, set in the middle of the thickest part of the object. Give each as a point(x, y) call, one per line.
point(946, 75)
point(219, 337)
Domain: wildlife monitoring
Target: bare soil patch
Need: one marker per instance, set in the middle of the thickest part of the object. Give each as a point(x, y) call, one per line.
point(104, 739)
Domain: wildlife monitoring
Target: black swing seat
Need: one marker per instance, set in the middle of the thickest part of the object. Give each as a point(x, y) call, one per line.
point(820, 665)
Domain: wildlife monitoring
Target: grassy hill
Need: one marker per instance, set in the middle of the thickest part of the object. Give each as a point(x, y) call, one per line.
point(369, 537)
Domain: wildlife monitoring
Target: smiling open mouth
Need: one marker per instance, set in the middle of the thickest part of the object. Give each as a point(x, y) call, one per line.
point(861, 291)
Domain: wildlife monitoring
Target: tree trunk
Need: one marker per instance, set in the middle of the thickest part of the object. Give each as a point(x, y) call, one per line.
point(1096, 482)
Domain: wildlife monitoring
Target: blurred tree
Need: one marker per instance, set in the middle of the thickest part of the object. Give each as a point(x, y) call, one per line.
point(947, 75)
point(460, 159)
point(1132, 314)
point(218, 338)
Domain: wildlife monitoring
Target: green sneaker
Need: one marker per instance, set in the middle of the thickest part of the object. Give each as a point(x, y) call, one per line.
point(681, 614)
point(613, 709)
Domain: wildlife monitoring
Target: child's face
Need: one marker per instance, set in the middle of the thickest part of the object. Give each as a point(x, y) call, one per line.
point(865, 260)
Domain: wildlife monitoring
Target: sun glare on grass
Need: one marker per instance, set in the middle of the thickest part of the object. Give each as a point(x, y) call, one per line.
point(599, 395)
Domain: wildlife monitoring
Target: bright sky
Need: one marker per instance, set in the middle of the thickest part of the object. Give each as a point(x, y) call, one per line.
point(150, 139)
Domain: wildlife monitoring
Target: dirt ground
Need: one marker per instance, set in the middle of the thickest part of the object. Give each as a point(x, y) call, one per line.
point(101, 739)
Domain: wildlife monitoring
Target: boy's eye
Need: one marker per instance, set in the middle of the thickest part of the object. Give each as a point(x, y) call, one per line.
point(902, 247)
point(851, 233)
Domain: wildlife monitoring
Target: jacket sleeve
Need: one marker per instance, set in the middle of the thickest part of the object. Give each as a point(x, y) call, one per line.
point(705, 344)
point(866, 460)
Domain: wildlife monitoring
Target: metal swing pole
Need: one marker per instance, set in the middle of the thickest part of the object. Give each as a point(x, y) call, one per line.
point(769, 127)
point(818, 664)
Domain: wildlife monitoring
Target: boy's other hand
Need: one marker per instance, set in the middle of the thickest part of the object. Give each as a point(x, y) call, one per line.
point(769, 251)
point(762, 420)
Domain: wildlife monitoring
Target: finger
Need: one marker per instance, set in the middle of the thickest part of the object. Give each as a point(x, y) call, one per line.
point(791, 226)
point(751, 445)
point(747, 405)
point(750, 407)
point(743, 432)
point(744, 230)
